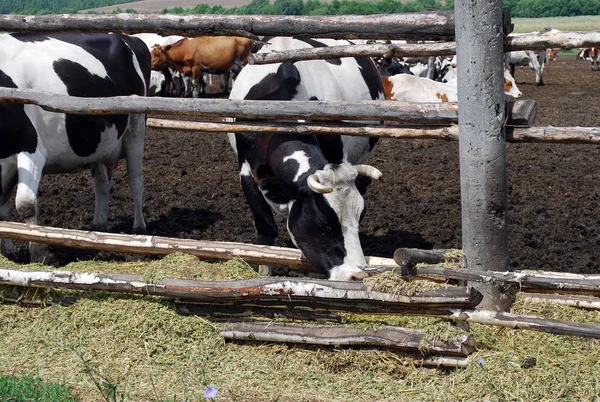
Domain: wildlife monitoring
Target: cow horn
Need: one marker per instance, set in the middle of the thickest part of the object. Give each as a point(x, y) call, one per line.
point(368, 170)
point(316, 186)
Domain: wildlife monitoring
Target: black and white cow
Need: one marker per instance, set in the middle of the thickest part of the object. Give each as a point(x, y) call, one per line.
point(35, 142)
point(316, 182)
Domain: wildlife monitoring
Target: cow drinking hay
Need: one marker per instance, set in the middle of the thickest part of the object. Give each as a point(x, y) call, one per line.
point(316, 182)
point(35, 141)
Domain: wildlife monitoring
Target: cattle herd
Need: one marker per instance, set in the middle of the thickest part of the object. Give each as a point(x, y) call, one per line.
point(316, 183)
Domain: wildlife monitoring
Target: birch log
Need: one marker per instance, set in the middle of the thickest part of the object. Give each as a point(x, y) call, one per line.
point(437, 25)
point(588, 303)
point(533, 282)
point(334, 335)
point(515, 321)
point(156, 245)
point(351, 296)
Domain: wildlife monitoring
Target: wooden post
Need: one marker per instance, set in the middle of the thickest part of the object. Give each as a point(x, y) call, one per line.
point(482, 145)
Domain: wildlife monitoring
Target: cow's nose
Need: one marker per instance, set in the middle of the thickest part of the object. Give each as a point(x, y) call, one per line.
point(358, 276)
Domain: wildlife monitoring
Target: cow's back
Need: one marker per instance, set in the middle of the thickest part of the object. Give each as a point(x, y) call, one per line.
point(84, 65)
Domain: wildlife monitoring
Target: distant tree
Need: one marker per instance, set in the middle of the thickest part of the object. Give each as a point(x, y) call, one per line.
point(288, 7)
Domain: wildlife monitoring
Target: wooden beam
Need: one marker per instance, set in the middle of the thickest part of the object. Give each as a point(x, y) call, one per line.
point(569, 135)
point(588, 303)
point(157, 245)
point(373, 50)
point(558, 135)
point(436, 25)
point(408, 258)
point(271, 291)
point(553, 39)
point(526, 281)
point(403, 112)
point(404, 339)
point(521, 113)
point(515, 321)
point(352, 129)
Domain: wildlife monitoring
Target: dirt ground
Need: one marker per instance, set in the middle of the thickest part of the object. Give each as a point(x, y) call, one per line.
point(192, 189)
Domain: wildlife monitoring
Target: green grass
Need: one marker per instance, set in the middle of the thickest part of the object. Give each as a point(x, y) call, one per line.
point(27, 389)
point(581, 23)
point(138, 348)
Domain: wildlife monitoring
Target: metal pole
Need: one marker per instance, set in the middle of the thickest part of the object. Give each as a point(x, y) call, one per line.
point(481, 115)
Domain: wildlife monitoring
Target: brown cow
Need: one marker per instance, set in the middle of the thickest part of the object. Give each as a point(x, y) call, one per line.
point(203, 54)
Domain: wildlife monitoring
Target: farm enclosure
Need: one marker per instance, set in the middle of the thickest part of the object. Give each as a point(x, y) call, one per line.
point(192, 189)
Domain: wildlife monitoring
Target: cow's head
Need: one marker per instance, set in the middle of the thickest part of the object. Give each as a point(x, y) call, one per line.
point(324, 215)
point(160, 58)
point(510, 86)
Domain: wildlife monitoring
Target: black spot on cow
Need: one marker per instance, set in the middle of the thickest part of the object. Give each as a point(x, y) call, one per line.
point(107, 49)
point(315, 44)
point(84, 132)
point(18, 134)
point(317, 230)
point(282, 85)
point(371, 76)
point(332, 147)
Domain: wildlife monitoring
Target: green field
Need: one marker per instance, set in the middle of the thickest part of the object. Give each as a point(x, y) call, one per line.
point(582, 23)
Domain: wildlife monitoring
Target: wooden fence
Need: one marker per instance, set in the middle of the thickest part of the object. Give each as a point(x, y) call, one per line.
point(481, 30)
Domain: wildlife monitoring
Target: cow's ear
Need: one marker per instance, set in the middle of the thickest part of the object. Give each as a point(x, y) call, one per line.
point(277, 190)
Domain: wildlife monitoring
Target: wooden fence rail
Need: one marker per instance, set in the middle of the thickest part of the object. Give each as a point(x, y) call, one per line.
point(157, 245)
point(438, 25)
point(402, 112)
point(283, 293)
point(534, 41)
point(559, 135)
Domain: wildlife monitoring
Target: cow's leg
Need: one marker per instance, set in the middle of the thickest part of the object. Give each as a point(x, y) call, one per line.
point(133, 147)
point(30, 167)
point(101, 179)
point(224, 81)
point(8, 180)
point(264, 223)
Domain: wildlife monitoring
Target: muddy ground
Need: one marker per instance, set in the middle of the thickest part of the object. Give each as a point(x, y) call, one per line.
point(192, 189)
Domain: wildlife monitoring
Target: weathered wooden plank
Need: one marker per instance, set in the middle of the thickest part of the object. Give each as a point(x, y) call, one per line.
point(537, 282)
point(269, 290)
point(408, 258)
point(564, 135)
point(553, 39)
point(373, 50)
point(404, 112)
point(572, 135)
point(521, 113)
point(352, 129)
point(515, 321)
point(588, 303)
point(157, 245)
point(404, 339)
point(436, 25)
